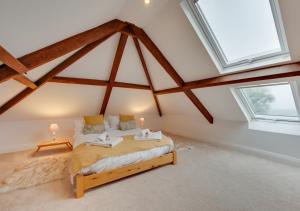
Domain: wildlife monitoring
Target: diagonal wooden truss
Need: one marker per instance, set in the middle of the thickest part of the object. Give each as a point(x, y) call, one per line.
point(86, 41)
point(15, 64)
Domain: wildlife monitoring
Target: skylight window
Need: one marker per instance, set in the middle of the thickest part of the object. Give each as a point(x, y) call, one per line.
point(276, 102)
point(239, 34)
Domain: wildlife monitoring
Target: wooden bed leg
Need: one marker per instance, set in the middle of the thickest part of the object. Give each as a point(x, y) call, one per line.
point(79, 192)
point(174, 158)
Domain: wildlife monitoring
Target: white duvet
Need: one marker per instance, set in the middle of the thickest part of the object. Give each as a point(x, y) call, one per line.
point(118, 161)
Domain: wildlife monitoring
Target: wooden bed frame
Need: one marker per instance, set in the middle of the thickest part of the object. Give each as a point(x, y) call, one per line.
point(83, 183)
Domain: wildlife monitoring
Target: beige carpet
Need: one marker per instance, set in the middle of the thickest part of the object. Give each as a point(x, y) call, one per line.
point(206, 178)
point(37, 171)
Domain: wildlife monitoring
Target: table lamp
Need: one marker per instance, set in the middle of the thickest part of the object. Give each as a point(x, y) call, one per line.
point(53, 128)
point(142, 122)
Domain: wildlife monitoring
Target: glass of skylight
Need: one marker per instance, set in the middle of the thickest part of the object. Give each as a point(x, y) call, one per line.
point(239, 34)
point(243, 29)
point(273, 102)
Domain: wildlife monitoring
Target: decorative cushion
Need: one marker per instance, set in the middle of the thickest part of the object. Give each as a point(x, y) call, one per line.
point(94, 120)
point(114, 122)
point(93, 124)
point(93, 129)
point(127, 125)
point(125, 118)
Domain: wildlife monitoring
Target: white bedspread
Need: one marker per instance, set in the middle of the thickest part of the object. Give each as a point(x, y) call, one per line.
point(115, 162)
point(118, 161)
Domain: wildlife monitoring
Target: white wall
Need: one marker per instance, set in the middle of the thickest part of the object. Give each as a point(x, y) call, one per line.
point(232, 133)
point(22, 135)
point(164, 21)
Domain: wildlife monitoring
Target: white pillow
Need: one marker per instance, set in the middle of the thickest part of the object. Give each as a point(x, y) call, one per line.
point(106, 125)
point(78, 126)
point(114, 122)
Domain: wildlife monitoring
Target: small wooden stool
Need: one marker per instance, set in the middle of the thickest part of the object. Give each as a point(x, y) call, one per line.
point(55, 143)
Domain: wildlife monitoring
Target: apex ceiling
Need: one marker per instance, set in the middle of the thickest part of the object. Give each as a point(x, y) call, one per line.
point(30, 25)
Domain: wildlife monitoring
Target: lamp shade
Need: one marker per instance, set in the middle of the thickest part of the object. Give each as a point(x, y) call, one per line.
point(142, 121)
point(53, 128)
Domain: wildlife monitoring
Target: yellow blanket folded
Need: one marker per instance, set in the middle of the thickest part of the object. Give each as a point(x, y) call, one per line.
point(85, 155)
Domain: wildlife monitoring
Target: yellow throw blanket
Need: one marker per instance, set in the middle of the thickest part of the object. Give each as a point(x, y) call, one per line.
point(85, 155)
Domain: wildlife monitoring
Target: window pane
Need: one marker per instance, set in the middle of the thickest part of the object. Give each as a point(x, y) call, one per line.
point(271, 100)
point(244, 29)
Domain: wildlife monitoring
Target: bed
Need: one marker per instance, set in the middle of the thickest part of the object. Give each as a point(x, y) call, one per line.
point(128, 158)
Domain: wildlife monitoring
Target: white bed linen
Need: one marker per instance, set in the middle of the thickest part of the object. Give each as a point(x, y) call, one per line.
point(118, 161)
point(80, 138)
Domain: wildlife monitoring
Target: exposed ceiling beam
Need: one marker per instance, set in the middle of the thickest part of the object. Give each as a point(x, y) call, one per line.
point(63, 47)
point(128, 31)
point(16, 65)
point(11, 61)
point(95, 82)
point(25, 81)
point(276, 72)
point(169, 91)
point(268, 73)
point(56, 70)
point(89, 38)
point(142, 59)
point(16, 99)
point(130, 85)
point(82, 81)
point(154, 50)
point(14, 68)
point(199, 105)
point(114, 70)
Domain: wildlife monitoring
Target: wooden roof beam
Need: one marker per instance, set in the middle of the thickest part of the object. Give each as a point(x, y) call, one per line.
point(128, 31)
point(82, 81)
point(268, 73)
point(16, 65)
point(169, 91)
point(114, 70)
point(56, 70)
point(142, 59)
point(130, 86)
point(95, 82)
point(51, 52)
point(63, 47)
point(25, 81)
point(199, 105)
point(154, 50)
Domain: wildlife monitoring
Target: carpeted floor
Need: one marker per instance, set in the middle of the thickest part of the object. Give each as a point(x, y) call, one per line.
point(205, 178)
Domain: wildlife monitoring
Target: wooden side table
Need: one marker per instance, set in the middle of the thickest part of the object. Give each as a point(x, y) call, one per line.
point(55, 143)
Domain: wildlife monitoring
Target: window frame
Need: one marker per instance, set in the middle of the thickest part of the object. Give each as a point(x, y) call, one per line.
point(251, 116)
point(206, 34)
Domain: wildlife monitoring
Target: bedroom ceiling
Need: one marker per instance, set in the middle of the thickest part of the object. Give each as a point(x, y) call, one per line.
point(34, 24)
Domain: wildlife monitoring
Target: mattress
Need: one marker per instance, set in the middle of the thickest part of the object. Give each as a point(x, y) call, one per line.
point(110, 163)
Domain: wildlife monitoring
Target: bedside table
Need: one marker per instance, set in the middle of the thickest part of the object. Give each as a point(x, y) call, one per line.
point(56, 142)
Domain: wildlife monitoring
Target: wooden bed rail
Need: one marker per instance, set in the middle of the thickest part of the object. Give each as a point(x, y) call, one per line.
point(83, 183)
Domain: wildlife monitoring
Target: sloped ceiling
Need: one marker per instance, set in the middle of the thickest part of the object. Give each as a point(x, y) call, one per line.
point(30, 25)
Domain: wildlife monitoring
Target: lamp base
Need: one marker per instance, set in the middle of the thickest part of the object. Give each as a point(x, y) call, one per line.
point(53, 136)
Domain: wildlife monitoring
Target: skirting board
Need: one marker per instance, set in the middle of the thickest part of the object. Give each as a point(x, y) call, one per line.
point(285, 159)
